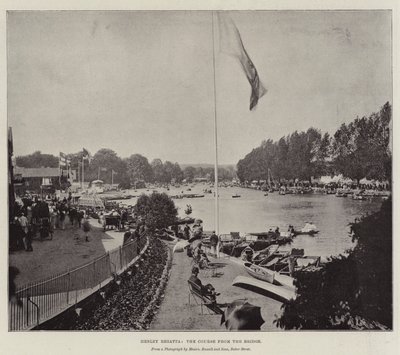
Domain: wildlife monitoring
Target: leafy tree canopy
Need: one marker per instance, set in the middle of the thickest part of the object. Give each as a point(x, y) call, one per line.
point(37, 160)
point(157, 210)
point(356, 150)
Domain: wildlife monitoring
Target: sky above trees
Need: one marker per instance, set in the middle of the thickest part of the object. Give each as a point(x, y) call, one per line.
point(142, 82)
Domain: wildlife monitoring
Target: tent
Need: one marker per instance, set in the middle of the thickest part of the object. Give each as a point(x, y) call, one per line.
point(91, 201)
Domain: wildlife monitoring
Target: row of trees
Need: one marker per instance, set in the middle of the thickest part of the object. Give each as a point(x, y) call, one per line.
point(356, 150)
point(37, 160)
point(108, 166)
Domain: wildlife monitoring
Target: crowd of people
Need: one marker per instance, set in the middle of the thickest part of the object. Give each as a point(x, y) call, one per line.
point(34, 216)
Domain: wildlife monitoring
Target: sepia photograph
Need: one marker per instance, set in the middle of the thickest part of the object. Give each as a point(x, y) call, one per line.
point(200, 171)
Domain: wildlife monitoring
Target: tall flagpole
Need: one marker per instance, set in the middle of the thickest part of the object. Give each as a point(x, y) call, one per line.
point(59, 170)
point(83, 173)
point(215, 136)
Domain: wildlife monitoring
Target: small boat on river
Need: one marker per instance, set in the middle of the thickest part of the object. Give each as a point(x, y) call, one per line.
point(308, 229)
point(187, 196)
point(236, 196)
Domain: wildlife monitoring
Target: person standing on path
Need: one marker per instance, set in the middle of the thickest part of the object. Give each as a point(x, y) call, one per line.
point(186, 232)
point(214, 243)
point(23, 222)
point(219, 245)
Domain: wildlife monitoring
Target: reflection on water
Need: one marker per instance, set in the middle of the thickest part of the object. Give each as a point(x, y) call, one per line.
point(254, 212)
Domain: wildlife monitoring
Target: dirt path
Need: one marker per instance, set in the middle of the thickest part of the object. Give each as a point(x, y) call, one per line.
point(175, 312)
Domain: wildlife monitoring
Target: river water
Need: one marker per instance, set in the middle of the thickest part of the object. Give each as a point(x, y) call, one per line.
point(254, 212)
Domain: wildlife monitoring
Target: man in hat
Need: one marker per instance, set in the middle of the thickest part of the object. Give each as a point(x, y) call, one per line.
point(201, 256)
point(194, 277)
point(208, 289)
point(129, 235)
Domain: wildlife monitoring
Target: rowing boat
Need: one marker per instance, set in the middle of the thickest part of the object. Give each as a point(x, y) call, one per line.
point(259, 272)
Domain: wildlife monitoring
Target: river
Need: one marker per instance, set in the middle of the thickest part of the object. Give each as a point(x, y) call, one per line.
point(254, 212)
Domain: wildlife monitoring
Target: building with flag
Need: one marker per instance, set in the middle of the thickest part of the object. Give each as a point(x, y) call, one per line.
point(36, 180)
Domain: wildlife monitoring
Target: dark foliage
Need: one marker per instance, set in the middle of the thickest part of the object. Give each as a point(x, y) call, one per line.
point(37, 160)
point(125, 304)
point(357, 150)
point(157, 210)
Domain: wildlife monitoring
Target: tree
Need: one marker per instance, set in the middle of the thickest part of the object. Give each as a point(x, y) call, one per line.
point(157, 210)
point(360, 149)
point(321, 156)
point(177, 173)
point(158, 170)
point(106, 161)
point(37, 160)
point(189, 173)
point(139, 168)
point(280, 160)
point(168, 171)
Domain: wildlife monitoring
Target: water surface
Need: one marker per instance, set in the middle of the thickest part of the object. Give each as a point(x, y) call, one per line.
point(254, 212)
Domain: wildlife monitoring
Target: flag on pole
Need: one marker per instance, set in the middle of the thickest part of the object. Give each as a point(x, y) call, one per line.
point(63, 161)
point(86, 155)
point(231, 43)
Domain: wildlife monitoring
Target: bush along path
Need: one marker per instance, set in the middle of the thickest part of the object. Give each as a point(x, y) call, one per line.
point(133, 298)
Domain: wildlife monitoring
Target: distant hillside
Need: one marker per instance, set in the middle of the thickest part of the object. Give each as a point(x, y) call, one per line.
point(226, 166)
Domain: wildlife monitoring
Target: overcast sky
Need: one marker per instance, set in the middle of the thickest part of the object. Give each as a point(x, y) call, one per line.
point(142, 82)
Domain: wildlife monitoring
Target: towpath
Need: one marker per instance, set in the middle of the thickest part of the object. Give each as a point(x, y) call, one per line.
point(175, 312)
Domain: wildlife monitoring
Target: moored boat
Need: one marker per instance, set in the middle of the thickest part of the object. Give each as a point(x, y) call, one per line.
point(260, 273)
point(278, 267)
point(279, 293)
point(308, 229)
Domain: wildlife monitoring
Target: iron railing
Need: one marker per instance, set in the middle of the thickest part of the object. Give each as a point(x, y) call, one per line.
point(40, 301)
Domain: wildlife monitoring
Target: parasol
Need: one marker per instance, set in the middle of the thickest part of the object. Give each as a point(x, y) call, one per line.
point(180, 246)
point(241, 315)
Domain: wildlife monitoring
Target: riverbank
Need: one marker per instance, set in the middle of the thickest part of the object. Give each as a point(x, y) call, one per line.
point(176, 314)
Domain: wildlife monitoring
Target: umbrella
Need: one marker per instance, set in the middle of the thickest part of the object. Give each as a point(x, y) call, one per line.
point(180, 246)
point(195, 237)
point(241, 315)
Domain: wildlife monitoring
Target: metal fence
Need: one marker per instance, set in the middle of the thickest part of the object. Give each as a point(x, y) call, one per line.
point(43, 300)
